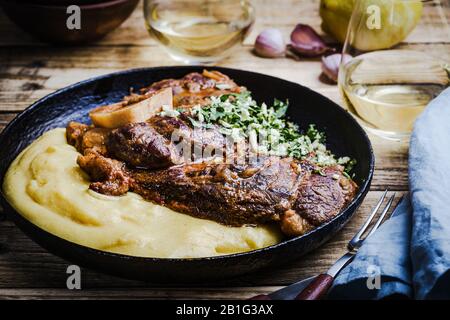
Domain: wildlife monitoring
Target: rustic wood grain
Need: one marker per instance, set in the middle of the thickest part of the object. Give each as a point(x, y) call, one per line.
point(24, 78)
point(30, 70)
point(229, 293)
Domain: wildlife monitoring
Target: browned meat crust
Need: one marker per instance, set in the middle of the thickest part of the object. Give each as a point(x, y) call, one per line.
point(151, 145)
point(323, 195)
point(108, 176)
point(270, 190)
point(292, 224)
point(139, 145)
point(195, 88)
point(227, 193)
point(86, 138)
point(74, 134)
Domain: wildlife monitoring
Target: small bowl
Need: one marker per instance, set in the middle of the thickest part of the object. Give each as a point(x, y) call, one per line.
point(48, 22)
point(61, 2)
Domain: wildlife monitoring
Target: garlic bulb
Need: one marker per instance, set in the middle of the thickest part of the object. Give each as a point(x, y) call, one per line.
point(270, 44)
point(306, 41)
point(330, 65)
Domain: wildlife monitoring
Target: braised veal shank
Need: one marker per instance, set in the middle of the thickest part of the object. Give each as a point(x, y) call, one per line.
point(141, 157)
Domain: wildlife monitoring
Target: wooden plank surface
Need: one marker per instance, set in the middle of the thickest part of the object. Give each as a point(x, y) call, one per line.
point(29, 70)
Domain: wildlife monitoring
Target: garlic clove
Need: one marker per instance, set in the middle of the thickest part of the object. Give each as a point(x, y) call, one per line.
point(270, 44)
point(331, 63)
point(307, 42)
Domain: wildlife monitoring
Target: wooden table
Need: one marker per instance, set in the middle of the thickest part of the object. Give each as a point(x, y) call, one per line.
point(30, 70)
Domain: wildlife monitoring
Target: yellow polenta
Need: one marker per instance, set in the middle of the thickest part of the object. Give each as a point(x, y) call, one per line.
point(45, 184)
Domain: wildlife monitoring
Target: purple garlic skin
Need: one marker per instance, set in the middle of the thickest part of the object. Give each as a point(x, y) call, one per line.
point(306, 41)
point(331, 63)
point(270, 44)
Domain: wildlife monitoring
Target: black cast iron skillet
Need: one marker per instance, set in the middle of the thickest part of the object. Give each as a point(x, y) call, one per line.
point(344, 137)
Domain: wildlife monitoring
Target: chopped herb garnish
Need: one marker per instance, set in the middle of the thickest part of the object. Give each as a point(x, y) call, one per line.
point(266, 128)
point(223, 86)
point(318, 171)
point(346, 175)
point(349, 165)
point(168, 112)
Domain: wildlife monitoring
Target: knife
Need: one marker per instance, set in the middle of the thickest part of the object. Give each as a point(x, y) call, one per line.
point(304, 289)
point(320, 285)
point(286, 293)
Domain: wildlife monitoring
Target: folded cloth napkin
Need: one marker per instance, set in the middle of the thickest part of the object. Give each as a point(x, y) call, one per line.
point(410, 254)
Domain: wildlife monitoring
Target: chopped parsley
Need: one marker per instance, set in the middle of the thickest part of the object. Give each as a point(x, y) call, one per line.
point(266, 128)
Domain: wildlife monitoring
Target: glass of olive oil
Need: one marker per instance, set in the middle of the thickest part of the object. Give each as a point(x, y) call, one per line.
point(398, 60)
point(198, 31)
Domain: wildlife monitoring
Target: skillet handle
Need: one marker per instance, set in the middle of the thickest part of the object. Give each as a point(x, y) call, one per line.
point(317, 289)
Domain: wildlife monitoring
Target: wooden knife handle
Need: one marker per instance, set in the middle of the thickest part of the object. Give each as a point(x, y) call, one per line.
point(317, 289)
point(260, 297)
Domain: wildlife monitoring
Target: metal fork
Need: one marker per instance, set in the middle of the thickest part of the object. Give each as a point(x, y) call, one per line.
point(316, 288)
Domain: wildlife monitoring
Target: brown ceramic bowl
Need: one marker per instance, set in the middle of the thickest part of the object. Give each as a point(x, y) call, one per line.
point(47, 22)
point(62, 2)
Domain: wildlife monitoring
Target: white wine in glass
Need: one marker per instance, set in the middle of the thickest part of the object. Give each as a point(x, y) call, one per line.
point(397, 66)
point(198, 31)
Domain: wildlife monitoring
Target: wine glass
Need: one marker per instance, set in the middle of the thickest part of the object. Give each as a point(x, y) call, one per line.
point(395, 59)
point(198, 31)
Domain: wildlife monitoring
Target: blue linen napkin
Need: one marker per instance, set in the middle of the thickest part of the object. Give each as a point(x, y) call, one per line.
point(410, 253)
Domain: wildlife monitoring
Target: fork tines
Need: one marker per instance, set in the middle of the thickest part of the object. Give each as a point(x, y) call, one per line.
point(357, 240)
